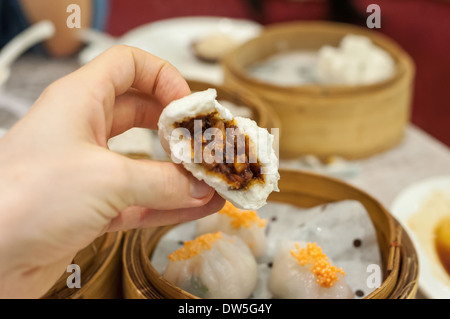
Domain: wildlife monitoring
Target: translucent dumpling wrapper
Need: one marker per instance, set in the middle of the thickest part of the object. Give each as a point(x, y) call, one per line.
point(302, 271)
point(213, 266)
point(231, 154)
point(343, 230)
point(245, 224)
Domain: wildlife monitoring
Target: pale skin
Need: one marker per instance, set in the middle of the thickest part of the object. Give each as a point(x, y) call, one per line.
point(61, 187)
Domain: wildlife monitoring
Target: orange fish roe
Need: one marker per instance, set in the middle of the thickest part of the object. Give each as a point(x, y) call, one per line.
point(194, 247)
point(326, 274)
point(241, 218)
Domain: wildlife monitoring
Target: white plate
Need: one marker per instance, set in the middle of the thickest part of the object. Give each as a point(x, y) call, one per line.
point(405, 205)
point(171, 40)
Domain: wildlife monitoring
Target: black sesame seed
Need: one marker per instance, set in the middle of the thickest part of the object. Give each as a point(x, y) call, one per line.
point(269, 265)
point(180, 242)
point(274, 219)
point(359, 293)
point(357, 242)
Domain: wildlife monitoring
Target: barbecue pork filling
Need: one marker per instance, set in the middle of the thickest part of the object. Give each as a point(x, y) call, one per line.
point(237, 164)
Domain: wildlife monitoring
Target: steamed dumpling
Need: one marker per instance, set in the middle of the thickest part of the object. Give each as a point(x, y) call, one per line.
point(357, 61)
point(302, 271)
point(214, 266)
point(246, 224)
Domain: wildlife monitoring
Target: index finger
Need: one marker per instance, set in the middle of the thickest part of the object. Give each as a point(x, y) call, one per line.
point(122, 67)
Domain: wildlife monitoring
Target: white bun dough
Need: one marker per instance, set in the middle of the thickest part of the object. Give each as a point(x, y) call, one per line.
point(201, 103)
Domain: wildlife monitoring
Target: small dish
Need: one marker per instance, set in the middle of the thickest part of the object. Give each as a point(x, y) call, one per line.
point(434, 282)
point(171, 40)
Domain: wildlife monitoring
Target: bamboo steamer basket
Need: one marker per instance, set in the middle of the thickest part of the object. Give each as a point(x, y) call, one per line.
point(101, 271)
point(352, 122)
point(262, 113)
point(399, 259)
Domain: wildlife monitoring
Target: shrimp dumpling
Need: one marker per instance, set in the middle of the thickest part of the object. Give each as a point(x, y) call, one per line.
point(302, 271)
point(246, 224)
point(214, 266)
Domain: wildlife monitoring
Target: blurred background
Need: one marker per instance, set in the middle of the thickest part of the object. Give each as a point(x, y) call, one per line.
point(421, 27)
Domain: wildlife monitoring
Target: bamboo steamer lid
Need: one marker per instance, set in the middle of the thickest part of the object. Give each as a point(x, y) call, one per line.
point(399, 259)
point(352, 122)
point(101, 269)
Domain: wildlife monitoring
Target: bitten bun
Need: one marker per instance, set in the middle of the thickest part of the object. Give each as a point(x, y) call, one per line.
point(202, 103)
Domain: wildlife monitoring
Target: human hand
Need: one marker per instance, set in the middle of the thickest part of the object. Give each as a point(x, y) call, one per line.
point(61, 187)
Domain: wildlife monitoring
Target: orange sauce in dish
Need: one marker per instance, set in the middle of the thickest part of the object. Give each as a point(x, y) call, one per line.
point(442, 242)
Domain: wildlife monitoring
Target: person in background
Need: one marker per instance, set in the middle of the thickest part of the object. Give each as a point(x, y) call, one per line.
point(17, 15)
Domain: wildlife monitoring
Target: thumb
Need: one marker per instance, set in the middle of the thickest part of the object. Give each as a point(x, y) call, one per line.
point(164, 185)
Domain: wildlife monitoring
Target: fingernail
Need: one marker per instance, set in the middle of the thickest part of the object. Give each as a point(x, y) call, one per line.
point(199, 189)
